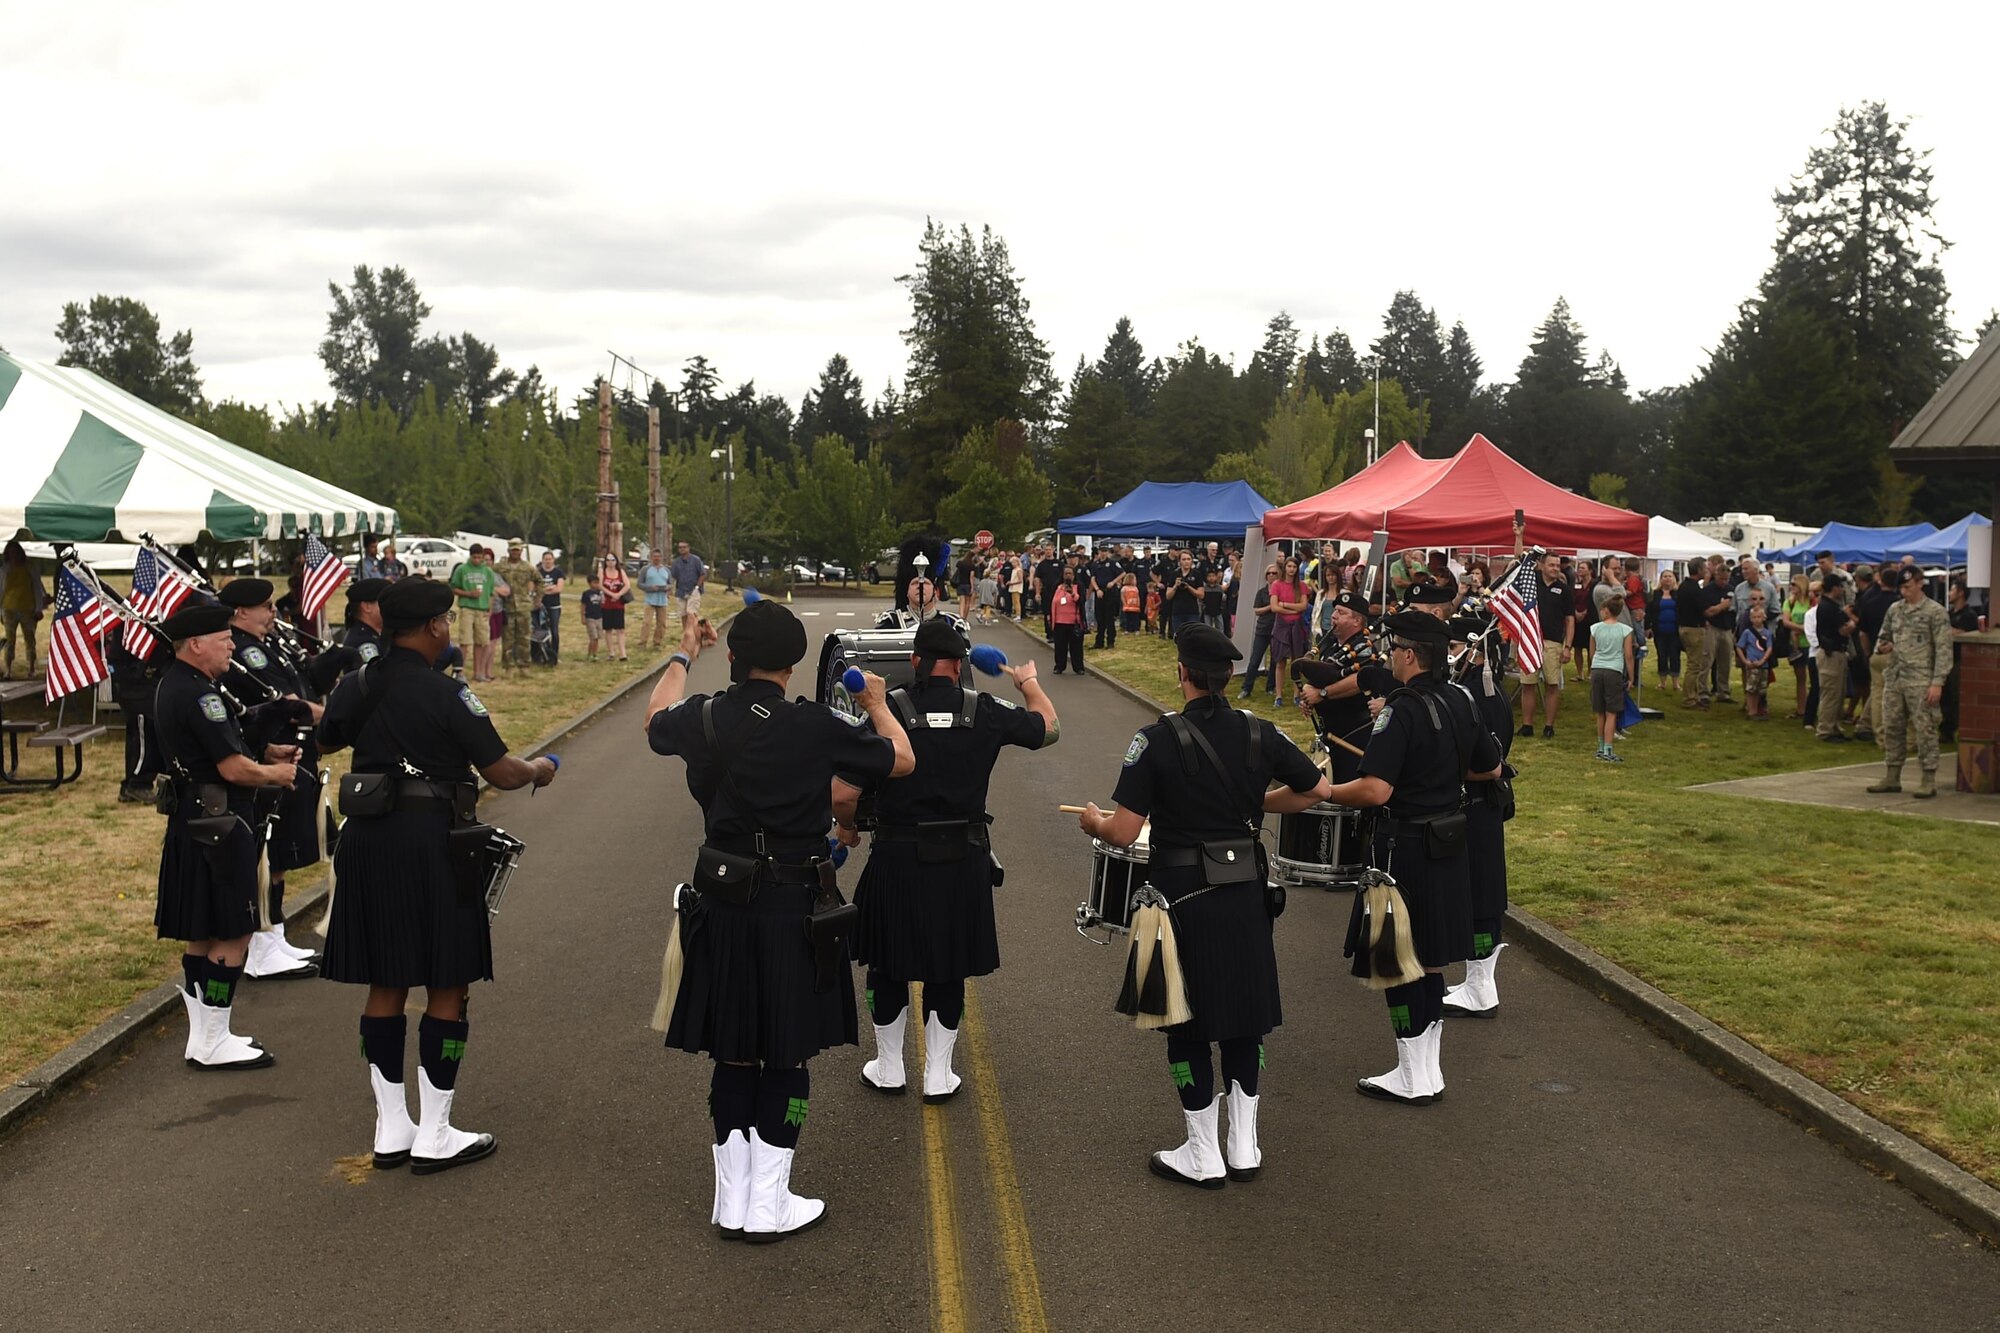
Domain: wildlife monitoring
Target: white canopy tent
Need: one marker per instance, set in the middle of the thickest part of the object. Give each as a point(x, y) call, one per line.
point(1668, 540)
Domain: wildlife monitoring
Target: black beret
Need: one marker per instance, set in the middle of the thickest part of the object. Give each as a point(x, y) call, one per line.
point(1429, 594)
point(1205, 648)
point(1467, 627)
point(937, 638)
point(1909, 573)
point(410, 602)
point(764, 636)
point(246, 592)
point(1417, 627)
point(1353, 601)
point(193, 621)
point(367, 590)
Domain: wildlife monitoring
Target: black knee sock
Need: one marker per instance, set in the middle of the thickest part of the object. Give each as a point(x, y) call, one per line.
point(1433, 998)
point(732, 1099)
point(277, 901)
point(382, 1044)
point(885, 998)
point(1242, 1061)
point(192, 965)
point(1194, 1075)
point(946, 999)
point(1485, 936)
point(440, 1049)
point(218, 983)
point(1407, 1008)
point(782, 1099)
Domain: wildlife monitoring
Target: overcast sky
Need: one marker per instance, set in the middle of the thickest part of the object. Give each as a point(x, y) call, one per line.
point(746, 182)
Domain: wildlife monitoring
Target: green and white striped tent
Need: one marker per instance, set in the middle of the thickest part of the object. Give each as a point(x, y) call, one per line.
point(81, 460)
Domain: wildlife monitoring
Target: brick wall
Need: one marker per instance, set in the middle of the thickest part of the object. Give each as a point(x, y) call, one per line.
point(1979, 713)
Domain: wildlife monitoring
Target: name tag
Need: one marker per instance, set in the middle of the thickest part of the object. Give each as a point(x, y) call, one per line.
point(939, 721)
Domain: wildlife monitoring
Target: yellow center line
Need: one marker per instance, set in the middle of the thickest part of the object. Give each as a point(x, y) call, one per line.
point(1017, 1251)
point(947, 1267)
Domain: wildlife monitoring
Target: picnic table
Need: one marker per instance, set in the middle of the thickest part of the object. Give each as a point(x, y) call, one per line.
point(66, 742)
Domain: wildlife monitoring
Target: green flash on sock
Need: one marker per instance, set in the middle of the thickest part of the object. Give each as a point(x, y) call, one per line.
point(1482, 944)
point(218, 992)
point(454, 1049)
point(868, 999)
point(795, 1112)
point(363, 1043)
point(1260, 1055)
point(1183, 1073)
point(1399, 1018)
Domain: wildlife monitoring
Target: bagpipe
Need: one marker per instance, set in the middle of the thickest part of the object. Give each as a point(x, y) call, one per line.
point(293, 645)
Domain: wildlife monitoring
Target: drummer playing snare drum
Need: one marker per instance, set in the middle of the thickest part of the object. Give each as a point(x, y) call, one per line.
point(1204, 777)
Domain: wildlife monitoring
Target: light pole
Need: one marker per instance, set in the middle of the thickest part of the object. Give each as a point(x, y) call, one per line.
point(1375, 363)
point(728, 506)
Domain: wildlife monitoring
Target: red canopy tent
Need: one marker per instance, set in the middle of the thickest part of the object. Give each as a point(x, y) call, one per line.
point(1468, 499)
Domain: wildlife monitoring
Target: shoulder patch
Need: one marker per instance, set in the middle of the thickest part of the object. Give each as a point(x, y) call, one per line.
point(213, 709)
point(849, 718)
point(1382, 719)
point(254, 658)
point(368, 652)
point(1135, 749)
point(471, 702)
point(1004, 703)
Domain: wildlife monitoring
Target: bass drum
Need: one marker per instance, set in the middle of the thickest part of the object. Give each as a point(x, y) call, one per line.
point(884, 652)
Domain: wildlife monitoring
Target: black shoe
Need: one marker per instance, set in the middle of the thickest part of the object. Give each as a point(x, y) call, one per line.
point(1548, 733)
point(1165, 1172)
point(1381, 1094)
point(479, 1148)
point(1528, 730)
point(1241, 1174)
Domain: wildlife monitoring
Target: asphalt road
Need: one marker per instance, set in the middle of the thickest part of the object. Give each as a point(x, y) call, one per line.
point(1580, 1175)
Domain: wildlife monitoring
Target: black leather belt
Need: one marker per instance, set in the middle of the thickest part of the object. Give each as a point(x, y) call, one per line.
point(430, 794)
point(973, 831)
point(1413, 827)
point(781, 872)
point(1174, 858)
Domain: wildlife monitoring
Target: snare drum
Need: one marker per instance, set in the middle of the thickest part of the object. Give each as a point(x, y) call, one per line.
point(1116, 876)
point(1326, 846)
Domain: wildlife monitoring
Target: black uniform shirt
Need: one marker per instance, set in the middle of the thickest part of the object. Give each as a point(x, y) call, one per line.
point(1831, 628)
point(1871, 608)
point(1106, 573)
point(261, 658)
point(1347, 717)
point(431, 720)
point(785, 771)
point(365, 642)
point(1714, 593)
point(1207, 806)
point(953, 763)
point(1424, 764)
point(197, 728)
point(1049, 573)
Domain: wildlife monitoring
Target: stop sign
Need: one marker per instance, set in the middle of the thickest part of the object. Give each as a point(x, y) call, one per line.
point(984, 538)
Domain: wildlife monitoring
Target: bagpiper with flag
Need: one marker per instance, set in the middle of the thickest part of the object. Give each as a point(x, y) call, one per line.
point(136, 656)
point(208, 862)
point(292, 816)
point(76, 661)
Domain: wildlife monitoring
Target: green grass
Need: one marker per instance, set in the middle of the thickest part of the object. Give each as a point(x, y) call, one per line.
point(78, 870)
point(1857, 947)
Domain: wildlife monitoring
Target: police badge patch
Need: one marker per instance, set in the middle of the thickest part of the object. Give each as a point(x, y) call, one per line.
point(368, 652)
point(471, 702)
point(212, 709)
point(253, 657)
point(1381, 719)
point(1135, 749)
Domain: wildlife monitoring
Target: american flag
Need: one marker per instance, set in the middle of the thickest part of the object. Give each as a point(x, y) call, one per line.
point(75, 662)
point(1514, 604)
point(324, 575)
point(157, 588)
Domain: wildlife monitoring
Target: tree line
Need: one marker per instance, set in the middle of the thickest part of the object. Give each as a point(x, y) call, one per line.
point(1846, 336)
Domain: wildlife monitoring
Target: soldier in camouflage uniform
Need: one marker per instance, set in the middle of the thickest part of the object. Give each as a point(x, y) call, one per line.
point(1916, 635)
point(524, 595)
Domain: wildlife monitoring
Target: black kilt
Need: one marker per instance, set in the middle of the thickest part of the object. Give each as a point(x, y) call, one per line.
point(926, 922)
point(1486, 847)
point(397, 916)
point(1227, 956)
point(294, 837)
point(1438, 894)
point(206, 893)
point(747, 986)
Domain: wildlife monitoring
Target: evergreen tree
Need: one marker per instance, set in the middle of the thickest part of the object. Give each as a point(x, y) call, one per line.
point(1452, 410)
point(118, 338)
point(1411, 348)
point(1124, 365)
point(1846, 338)
point(1344, 371)
point(994, 485)
point(839, 507)
point(974, 358)
point(1098, 453)
point(1566, 417)
point(835, 406)
point(1198, 413)
point(1270, 372)
point(763, 420)
point(699, 408)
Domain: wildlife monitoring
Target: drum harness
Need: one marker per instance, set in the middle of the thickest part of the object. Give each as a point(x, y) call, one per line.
point(1232, 860)
point(940, 840)
point(1441, 834)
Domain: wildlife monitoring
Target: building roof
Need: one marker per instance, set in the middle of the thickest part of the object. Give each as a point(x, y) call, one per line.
point(1961, 422)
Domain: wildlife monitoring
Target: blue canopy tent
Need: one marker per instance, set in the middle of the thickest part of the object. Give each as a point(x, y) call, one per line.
point(1178, 509)
point(1850, 544)
point(1948, 548)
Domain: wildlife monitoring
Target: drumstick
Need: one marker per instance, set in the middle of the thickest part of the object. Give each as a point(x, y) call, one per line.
point(1071, 809)
point(1348, 746)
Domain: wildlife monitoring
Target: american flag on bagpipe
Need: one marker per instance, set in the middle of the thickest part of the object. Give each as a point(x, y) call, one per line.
point(324, 575)
point(76, 661)
point(158, 588)
point(1514, 604)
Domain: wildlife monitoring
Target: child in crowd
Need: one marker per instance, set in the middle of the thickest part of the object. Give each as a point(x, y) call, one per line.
point(1212, 602)
point(593, 618)
point(1612, 669)
point(1131, 603)
point(1754, 649)
point(1153, 605)
point(989, 594)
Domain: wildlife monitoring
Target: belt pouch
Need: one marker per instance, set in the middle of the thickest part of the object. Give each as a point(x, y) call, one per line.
point(367, 795)
point(828, 929)
point(165, 799)
point(731, 876)
point(212, 830)
point(1444, 836)
point(1233, 861)
point(465, 851)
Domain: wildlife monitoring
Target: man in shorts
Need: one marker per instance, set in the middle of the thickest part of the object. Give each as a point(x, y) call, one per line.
point(473, 583)
point(1556, 607)
point(690, 575)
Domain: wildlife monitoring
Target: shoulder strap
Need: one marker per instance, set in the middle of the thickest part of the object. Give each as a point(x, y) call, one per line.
point(968, 708)
point(758, 715)
point(906, 710)
point(372, 693)
point(1188, 734)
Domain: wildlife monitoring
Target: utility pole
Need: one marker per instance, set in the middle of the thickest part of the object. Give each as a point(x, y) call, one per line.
point(605, 498)
point(656, 502)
